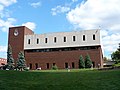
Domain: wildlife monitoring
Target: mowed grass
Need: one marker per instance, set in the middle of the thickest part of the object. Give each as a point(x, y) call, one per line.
point(60, 80)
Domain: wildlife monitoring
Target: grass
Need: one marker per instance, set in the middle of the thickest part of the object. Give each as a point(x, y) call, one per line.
point(60, 80)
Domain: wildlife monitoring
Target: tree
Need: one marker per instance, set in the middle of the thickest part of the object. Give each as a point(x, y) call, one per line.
point(81, 62)
point(116, 56)
point(10, 60)
point(105, 59)
point(21, 61)
point(88, 62)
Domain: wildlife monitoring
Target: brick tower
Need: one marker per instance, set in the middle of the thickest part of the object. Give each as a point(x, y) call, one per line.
point(16, 39)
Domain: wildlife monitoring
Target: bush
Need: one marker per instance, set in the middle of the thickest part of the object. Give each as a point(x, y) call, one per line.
point(54, 67)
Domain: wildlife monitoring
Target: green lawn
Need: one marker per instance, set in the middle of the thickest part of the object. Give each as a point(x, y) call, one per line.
point(60, 80)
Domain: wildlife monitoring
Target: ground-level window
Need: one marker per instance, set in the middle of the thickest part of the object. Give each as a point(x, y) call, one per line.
point(53, 64)
point(66, 65)
point(73, 65)
point(47, 65)
point(36, 65)
point(30, 65)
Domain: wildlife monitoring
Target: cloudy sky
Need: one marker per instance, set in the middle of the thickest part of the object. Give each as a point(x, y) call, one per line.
point(44, 16)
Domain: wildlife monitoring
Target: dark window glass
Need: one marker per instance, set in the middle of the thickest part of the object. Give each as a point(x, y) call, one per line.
point(45, 40)
point(94, 37)
point(55, 39)
point(73, 38)
point(28, 41)
point(36, 65)
point(73, 65)
point(30, 65)
point(47, 65)
point(37, 40)
point(53, 64)
point(64, 39)
point(66, 65)
point(83, 37)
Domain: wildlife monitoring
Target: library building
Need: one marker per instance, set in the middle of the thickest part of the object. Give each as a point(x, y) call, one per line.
point(62, 49)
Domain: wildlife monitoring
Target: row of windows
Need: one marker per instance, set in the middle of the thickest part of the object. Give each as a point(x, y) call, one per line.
point(63, 49)
point(64, 39)
point(48, 65)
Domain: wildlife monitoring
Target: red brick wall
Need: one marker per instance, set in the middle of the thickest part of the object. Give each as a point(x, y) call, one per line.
point(61, 57)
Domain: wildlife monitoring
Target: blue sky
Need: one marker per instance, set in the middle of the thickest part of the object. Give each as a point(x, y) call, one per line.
point(44, 16)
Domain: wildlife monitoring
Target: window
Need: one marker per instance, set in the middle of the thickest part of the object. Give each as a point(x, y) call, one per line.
point(93, 36)
point(36, 65)
point(30, 65)
point(45, 40)
point(73, 65)
point(73, 38)
point(47, 65)
point(37, 41)
point(55, 39)
point(53, 64)
point(64, 39)
point(66, 65)
point(83, 37)
point(28, 41)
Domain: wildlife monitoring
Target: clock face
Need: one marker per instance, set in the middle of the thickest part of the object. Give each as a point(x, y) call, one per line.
point(16, 32)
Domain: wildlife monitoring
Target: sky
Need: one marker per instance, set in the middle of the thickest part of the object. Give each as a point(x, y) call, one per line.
point(45, 16)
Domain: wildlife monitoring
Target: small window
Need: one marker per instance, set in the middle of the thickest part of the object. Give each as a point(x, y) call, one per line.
point(64, 39)
point(53, 64)
point(45, 40)
point(37, 41)
point(93, 36)
point(55, 39)
point(73, 38)
point(28, 41)
point(83, 37)
point(47, 65)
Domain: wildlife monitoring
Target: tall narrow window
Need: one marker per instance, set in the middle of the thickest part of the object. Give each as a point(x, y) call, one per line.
point(47, 65)
point(55, 39)
point(36, 65)
point(73, 38)
point(73, 65)
point(83, 37)
point(30, 65)
point(93, 36)
point(64, 39)
point(66, 65)
point(28, 41)
point(37, 41)
point(45, 40)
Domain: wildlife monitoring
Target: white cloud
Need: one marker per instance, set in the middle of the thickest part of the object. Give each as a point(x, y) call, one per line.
point(60, 9)
point(35, 5)
point(4, 25)
point(7, 2)
point(94, 13)
point(30, 25)
point(3, 48)
point(74, 0)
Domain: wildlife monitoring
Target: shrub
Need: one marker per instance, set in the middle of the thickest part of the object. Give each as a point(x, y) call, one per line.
point(54, 67)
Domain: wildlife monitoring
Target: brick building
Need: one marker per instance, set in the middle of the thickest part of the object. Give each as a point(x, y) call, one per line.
point(61, 48)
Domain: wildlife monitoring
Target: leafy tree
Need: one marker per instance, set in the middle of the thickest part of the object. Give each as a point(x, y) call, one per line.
point(88, 62)
point(105, 59)
point(116, 56)
point(10, 60)
point(81, 62)
point(21, 61)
